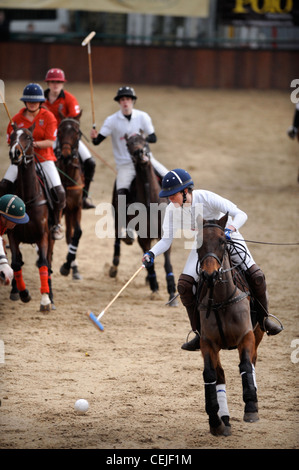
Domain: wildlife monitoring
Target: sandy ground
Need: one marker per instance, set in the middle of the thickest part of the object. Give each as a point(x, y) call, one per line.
point(144, 391)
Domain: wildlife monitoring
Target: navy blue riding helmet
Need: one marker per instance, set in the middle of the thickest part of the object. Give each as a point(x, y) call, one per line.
point(175, 181)
point(33, 93)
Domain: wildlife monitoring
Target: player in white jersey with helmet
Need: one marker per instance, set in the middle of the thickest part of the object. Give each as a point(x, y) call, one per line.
point(177, 186)
point(127, 120)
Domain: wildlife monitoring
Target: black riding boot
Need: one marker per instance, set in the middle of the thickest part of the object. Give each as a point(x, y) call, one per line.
point(257, 285)
point(88, 170)
point(185, 288)
point(6, 187)
point(59, 201)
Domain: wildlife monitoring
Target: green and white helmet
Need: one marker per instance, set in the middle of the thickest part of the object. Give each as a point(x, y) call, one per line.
point(13, 208)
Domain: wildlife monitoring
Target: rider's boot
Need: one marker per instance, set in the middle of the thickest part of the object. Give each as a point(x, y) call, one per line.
point(89, 166)
point(258, 287)
point(186, 284)
point(59, 201)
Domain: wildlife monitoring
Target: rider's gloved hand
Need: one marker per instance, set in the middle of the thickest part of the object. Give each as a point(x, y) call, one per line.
point(228, 233)
point(148, 259)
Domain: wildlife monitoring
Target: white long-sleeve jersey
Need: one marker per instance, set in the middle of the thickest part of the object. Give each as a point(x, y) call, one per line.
point(211, 206)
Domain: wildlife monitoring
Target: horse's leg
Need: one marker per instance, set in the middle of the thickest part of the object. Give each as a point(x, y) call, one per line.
point(211, 360)
point(116, 253)
point(72, 237)
point(16, 264)
point(50, 259)
point(171, 288)
point(258, 334)
point(211, 367)
point(43, 268)
point(221, 396)
point(246, 352)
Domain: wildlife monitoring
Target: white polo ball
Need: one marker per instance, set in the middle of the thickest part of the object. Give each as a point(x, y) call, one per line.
point(81, 405)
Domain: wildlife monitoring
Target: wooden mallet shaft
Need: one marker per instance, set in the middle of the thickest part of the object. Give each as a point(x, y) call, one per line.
point(86, 42)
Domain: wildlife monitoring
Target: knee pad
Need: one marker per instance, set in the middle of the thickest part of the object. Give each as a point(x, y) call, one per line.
point(59, 196)
point(185, 289)
point(89, 167)
point(256, 279)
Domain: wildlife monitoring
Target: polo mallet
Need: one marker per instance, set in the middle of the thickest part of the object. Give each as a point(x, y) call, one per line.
point(96, 320)
point(86, 42)
point(6, 108)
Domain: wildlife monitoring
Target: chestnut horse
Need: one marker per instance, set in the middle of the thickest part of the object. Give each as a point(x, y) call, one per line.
point(68, 165)
point(37, 231)
point(144, 198)
point(225, 317)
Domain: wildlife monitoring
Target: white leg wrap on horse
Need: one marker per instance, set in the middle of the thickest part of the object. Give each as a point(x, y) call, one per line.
point(254, 376)
point(45, 299)
point(222, 401)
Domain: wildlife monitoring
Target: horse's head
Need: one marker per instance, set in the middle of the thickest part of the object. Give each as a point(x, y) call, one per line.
point(138, 148)
point(21, 145)
point(212, 250)
point(68, 136)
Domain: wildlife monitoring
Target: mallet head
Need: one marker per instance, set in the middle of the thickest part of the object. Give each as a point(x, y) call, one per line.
point(88, 38)
point(94, 320)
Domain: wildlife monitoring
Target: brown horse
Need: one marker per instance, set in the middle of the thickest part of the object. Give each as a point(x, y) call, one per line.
point(224, 309)
point(143, 198)
point(68, 165)
point(37, 230)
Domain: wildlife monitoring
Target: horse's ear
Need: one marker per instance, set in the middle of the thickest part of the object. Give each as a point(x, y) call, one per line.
point(222, 222)
point(126, 137)
point(31, 128)
point(14, 126)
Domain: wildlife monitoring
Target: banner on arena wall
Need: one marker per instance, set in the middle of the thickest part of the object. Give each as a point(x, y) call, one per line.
point(256, 10)
point(154, 7)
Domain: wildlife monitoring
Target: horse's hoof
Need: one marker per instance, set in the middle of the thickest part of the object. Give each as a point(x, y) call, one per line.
point(221, 430)
point(25, 296)
point(64, 270)
point(14, 296)
point(53, 306)
point(251, 417)
point(113, 271)
point(45, 308)
point(76, 275)
point(155, 295)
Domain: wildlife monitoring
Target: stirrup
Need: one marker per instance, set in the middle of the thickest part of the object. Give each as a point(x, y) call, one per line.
point(277, 328)
point(193, 344)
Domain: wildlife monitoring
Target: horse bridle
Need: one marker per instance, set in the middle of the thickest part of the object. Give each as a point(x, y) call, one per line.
point(22, 156)
point(74, 150)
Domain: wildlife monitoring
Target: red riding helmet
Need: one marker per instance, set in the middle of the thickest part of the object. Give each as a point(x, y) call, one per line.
point(55, 75)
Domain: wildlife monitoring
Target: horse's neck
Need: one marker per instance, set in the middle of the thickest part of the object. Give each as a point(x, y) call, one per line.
point(27, 181)
point(226, 287)
point(147, 184)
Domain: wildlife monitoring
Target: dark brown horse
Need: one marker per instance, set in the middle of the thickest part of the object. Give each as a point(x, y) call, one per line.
point(224, 309)
point(143, 198)
point(37, 231)
point(69, 167)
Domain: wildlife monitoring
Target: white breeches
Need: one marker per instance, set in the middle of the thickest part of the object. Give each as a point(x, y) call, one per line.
point(49, 168)
point(237, 257)
point(126, 173)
